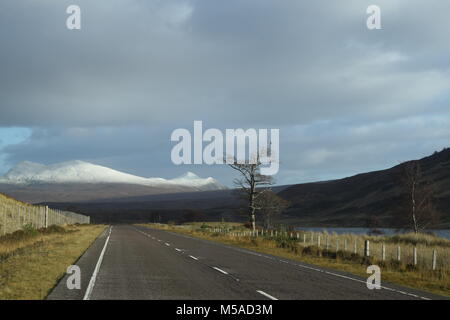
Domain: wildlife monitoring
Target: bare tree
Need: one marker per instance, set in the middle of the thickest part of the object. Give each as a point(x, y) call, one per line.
point(419, 213)
point(193, 215)
point(251, 184)
point(270, 205)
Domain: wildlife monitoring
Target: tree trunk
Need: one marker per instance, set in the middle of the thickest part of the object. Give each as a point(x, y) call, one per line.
point(413, 209)
point(253, 222)
point(252, 204)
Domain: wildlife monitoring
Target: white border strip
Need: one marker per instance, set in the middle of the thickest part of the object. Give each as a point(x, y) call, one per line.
point(90, 287)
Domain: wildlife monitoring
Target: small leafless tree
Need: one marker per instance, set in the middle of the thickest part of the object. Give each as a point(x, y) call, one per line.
point(251, 184)
point(271, 205)
point(420, 210)
point(192, 215)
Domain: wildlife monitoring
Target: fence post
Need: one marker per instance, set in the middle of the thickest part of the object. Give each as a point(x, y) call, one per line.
point(366, 248)
point(415, 256)
point(399, 253)
point(4, 218)
point(46, 217)
point(327, 245)
point(298, 236)
point(318, 240)
point(383, 252)
point(356, 247)
point(337, 245)
point(345, 244)
point(434, 259)
point(304, 238)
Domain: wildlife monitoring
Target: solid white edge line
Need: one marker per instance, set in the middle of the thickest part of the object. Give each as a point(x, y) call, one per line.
point(266, 295)
point(90, 287)
point(220, 270)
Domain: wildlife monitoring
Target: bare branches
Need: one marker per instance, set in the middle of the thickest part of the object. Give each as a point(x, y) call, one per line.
point(418, 213)
point(251, 183)
point(270, 205)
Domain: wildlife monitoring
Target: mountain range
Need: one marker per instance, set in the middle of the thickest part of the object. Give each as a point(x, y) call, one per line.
point(348, 202)
point(83, 181)
point(355, 201)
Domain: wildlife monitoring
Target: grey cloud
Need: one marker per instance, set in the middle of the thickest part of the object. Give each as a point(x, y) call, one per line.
point(346, 99)
point(138, 62)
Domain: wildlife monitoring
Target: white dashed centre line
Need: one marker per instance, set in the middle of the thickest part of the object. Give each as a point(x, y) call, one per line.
point(220, 270)
point(192, 257)
point(266, 295)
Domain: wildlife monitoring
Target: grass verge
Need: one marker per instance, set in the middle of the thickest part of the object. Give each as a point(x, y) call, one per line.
point(32, 261)
point(437, 281)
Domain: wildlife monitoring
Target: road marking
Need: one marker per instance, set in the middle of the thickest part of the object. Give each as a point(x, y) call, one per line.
point(90, 287)
point(297, 264)
point(220, 270)
point(167, 244)
point(192, 257)
point(361, 281)
point(266, 295)
point(179, 250)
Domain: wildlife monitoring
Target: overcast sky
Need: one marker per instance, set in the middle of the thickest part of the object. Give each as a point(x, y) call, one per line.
point(346, 99)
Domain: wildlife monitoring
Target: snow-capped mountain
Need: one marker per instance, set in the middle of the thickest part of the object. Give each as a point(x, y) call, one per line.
point(29, 173)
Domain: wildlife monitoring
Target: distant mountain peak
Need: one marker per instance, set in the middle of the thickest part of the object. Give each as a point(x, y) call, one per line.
point(188, 175)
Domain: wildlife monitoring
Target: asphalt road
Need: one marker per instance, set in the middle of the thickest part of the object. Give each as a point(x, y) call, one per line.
point(130, 262)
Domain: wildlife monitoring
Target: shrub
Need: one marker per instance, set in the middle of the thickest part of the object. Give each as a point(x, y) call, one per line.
point(29, 229)
point(368, 261)
point(248, 225)
point(312, 250)
point(53, 229)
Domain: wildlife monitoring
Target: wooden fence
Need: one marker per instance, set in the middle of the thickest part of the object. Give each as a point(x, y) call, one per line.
point(14, 215)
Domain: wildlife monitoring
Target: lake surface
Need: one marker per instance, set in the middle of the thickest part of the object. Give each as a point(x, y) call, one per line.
point(444, 233)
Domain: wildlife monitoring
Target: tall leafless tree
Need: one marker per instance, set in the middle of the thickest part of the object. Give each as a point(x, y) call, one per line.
point(420, 210)
point(251, 184)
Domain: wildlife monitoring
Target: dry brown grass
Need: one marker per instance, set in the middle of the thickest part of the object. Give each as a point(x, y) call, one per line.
point(31, 263)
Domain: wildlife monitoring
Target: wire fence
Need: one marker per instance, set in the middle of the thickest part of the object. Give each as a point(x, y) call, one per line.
point(14, 215)
point(379, 248)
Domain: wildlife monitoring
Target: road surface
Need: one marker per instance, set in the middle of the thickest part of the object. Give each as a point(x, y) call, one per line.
point(135, 263)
